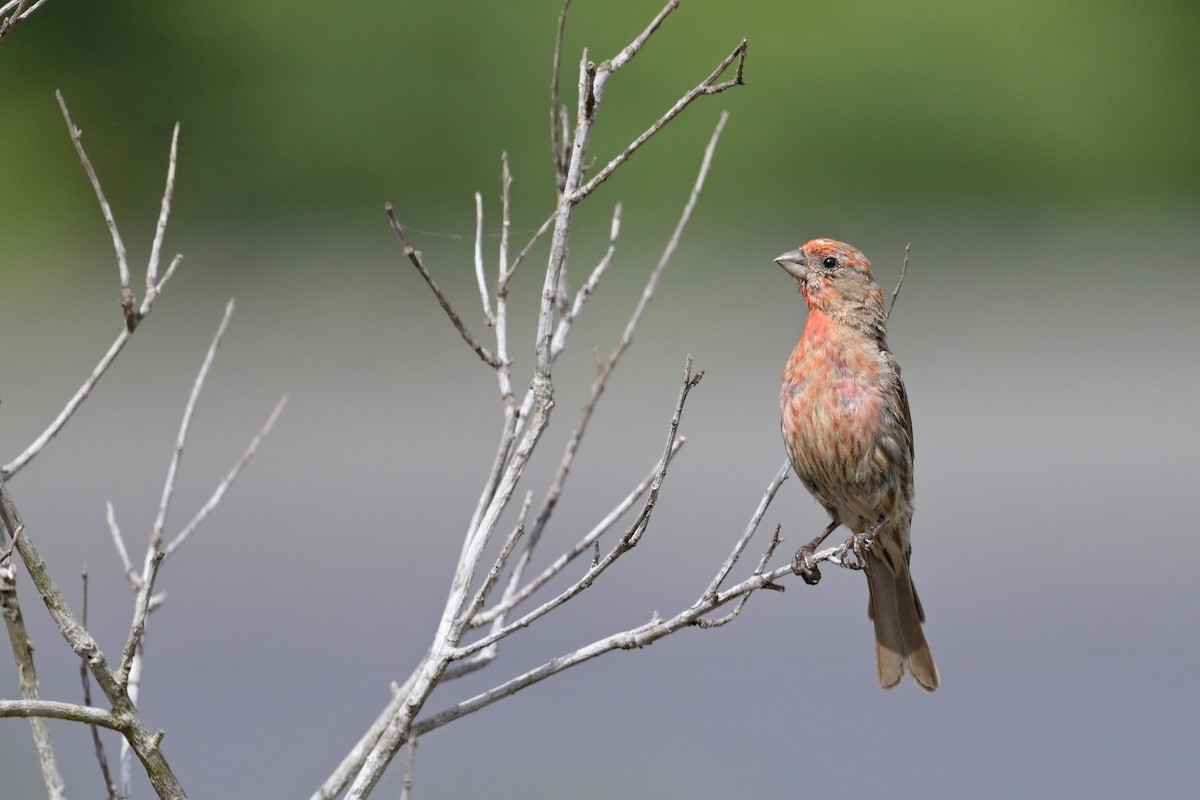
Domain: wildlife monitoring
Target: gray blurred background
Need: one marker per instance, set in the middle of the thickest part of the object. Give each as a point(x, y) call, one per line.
point(1042, 158)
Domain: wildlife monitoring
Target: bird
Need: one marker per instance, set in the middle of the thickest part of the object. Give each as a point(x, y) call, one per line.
point(848, 433)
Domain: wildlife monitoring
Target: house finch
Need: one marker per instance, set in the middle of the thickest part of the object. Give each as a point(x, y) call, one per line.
point(848, 433)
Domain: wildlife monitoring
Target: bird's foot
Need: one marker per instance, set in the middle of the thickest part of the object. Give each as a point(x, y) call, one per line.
point(805, 562)
point(858, 544)
point(805, 565)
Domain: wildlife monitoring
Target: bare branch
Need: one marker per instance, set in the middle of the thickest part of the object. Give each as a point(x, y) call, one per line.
point(72, 405)
point(406, 787)
point(483, 290)
point(533, 240)
point(705, 87)
point(144, 743)
point(50, 709)
point(606, 368)
point(97, 744)
point(141, 609)
point(673, 243)
point(523, 426)
point(558, 132)
point(751, 527)
point(118, 245)
point(156, 534)
point(119, 543)
point(132, 317)
point(415, 257)
point(503, 375)
point(589, 286)
point(354, 760)
point(22, 650)
point(626, 543)
point(899, 283)
point(222, 487)
point(494, 573)
point(515, 596)
point(486, 655)
point(558, 342)
point(704, 622)
point(19, 14)
point(164, 214)
point(633, 48)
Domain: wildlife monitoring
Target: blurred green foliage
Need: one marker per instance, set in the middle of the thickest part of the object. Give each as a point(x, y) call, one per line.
point(308, 115)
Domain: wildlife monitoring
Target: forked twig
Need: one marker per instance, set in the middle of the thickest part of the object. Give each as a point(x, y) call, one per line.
point(219, 493)
point(705, 87)
point(19, 13)
point(133, 317)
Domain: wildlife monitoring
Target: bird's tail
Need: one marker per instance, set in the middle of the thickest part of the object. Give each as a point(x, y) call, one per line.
point(900, 644)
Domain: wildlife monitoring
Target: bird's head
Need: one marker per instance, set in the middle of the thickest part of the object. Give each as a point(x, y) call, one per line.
point(835, 279)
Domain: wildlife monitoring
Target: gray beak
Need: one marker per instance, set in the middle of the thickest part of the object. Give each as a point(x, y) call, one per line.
point(793, 262)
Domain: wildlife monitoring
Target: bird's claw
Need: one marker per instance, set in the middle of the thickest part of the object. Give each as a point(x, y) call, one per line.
point(858, 544)
point(805, 565)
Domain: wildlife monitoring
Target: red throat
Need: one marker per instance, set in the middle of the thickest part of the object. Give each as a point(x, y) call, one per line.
point(818, 323)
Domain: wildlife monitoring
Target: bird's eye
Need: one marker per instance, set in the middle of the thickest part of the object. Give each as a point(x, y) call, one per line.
point(829, 262)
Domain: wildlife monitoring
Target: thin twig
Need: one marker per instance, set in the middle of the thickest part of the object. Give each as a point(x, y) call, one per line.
point(558, 136)
point(222, 487)
point(142, 608)
point(22, 650)
point(522, 431)
point(97, 742)
point(131, 320)
point(606, 368)
point(485, 656)
point(406, 787)
point(135, 579)
point(624, 545)
point(494, 573)
point(533, 240)
point(69, 409)
point(19, 14)
point(164, 214)
point(503, 374)
point(141, 313)
point(899, 283)
point(353, 761)
point(483, 290)
point(589, 286)
point(415, 257)
point(633, 48)
point(516, 596)
point(705, 622)
point(632, 639)
point(751, 527)
point(156, 535)
point(705, 87)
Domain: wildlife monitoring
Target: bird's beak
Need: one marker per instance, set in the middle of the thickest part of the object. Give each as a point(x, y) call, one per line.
point(793, 262)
